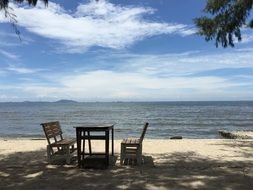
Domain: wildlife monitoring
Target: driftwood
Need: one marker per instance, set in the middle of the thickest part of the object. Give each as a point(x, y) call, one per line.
point(176, 137)
point(236, 134)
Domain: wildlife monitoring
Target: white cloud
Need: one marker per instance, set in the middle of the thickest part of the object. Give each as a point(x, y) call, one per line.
point(12, 39)
point(108, 85)
point(22, 70)
point(9, 55)
point(94, 24)
point(247, 38)
point(179, 64)
point(144, 77)
point(2, 73)
point(162, 77)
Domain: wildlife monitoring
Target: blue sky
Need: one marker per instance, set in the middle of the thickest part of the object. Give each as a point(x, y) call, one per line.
point(120, 50)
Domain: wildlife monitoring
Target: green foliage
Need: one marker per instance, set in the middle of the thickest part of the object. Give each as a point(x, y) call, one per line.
point(224, 21)
point(4, 3)
point(4, 6)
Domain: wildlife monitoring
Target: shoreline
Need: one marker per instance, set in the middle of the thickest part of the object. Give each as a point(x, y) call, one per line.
point(215, 148)
point(246, 135)
point(221, 134)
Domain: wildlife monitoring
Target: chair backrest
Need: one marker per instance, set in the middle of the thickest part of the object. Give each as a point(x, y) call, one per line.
point(144, 131)
point(52, 131)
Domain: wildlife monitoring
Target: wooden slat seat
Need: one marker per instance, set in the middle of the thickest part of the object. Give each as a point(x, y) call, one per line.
point(131, 148)
point(64, 142)
point(57, 145)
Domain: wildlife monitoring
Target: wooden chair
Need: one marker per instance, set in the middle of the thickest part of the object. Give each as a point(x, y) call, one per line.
point(57, 145)
point(131, 148)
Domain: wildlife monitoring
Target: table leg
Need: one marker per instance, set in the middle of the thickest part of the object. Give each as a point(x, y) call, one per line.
point(83, 155)
point(107, 147)
point(78, 139)
point(89, 142)
point(112, 141)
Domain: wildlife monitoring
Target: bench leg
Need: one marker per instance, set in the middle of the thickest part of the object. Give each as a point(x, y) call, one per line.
point(139, 155)
point(68, 155)
point(122, 154)
point(49, 154)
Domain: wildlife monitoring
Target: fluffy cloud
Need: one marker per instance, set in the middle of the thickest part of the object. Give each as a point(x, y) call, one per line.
point(182, 76)
point(110, 86)
point(179, 64)
point(153, 77)
point(94, 24)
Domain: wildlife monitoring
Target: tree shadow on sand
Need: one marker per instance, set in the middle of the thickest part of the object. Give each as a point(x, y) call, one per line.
point(29, 170)
point(240, 147)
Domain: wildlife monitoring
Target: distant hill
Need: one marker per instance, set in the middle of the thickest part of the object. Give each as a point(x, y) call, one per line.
point(66, 101)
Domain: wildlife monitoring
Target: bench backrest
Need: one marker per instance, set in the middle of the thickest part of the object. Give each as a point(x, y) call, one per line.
point(52, 131)
point(144, 131)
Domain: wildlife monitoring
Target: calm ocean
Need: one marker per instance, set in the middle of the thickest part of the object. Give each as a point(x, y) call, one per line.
point(187, 119)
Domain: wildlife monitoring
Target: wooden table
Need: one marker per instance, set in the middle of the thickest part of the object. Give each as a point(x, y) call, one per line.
point(84, 133)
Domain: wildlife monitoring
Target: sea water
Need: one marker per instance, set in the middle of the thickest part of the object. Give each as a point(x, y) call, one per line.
point(167, 119)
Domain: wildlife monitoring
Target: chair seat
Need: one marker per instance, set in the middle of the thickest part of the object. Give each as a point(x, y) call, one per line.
point(63, 152)
point(64, 142)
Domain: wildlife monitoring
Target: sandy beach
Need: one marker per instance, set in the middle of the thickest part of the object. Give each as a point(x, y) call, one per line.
point(168, 164)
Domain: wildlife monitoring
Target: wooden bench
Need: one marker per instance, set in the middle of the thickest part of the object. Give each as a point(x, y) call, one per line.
point(131, 148)
point(57, 145)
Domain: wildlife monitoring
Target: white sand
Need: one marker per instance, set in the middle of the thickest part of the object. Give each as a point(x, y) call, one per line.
point(169, 164)
point(222, 149)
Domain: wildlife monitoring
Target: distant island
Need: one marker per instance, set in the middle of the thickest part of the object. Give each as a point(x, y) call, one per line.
point(66, 101)
point(58, 101)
